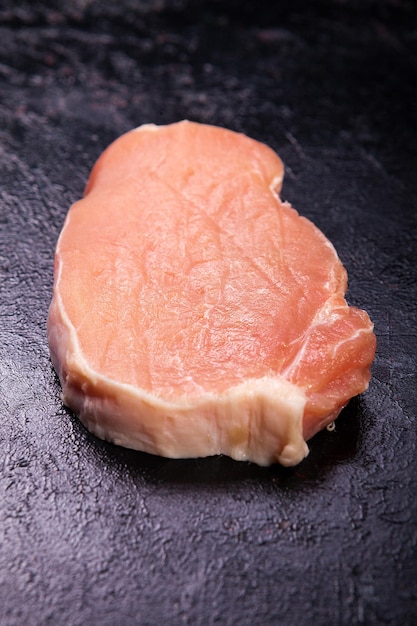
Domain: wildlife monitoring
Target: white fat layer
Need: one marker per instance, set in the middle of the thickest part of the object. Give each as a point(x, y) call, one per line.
point(276, 184)
point(147, 127)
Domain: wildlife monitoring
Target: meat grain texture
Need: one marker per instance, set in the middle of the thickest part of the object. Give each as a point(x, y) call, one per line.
point(194, 313)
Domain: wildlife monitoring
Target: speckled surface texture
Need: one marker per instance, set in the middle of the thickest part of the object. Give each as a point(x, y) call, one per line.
point(93, 534)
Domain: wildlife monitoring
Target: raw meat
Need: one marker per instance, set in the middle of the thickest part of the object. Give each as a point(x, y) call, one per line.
point(193, 312)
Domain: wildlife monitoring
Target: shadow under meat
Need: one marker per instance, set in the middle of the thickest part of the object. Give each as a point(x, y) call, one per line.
point(327, 449)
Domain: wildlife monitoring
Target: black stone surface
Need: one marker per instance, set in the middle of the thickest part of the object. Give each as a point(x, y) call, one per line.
point(93, 534)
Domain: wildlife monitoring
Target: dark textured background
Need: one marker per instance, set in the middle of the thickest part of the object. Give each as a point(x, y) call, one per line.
point(92, 534)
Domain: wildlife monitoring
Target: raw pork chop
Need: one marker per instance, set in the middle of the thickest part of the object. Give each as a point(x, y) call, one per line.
point(194, 313)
